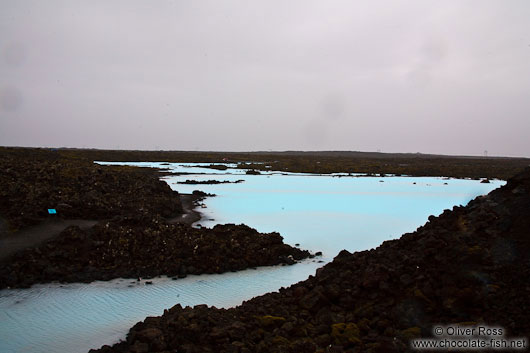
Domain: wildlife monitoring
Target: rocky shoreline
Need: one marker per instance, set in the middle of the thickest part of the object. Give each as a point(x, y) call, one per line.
point(142, 227)
point(209, 182)
point(145, 247)
point(189, 204)
point(467, 266)
point(325, 162)
point(36, 181)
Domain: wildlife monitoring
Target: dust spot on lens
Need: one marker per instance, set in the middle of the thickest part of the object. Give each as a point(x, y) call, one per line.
point(10, 99)
point(14, 54)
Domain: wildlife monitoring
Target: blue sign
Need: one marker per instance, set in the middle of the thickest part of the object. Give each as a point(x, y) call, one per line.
point(52, 211)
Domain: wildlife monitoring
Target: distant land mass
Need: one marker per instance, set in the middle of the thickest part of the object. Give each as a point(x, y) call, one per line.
point(320, 162)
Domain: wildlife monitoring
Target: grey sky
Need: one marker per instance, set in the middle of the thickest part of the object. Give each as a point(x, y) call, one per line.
point(448, 77)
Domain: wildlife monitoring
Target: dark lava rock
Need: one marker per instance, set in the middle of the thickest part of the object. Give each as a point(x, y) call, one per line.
point(202, 194)
point(469, 265)
point(145, 247)
point(217, 166)
point(33, 182)
point(253, 172)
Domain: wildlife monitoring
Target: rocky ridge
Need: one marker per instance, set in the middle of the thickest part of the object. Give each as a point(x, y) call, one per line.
point(145, 247)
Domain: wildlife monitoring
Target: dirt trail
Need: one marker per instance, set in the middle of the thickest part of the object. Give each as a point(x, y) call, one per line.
point(189, 214)
point(11, 242)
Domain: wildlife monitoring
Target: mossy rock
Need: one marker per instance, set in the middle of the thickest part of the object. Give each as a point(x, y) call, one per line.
point(372, 347)
point(363, 324)
point(492, 288)
point(476, 249)
point(280, 341)
point(462, 224)
point(271, 321)
point(364, 310)
point(410, 333)
point(448, 303)
point(344, 333)
point(467, 323)
point(419, 294)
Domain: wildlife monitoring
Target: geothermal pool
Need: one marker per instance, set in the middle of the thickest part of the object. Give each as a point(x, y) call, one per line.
point(325, 213)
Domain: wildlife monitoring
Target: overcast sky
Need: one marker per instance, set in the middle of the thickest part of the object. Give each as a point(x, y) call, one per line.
point(449, 77)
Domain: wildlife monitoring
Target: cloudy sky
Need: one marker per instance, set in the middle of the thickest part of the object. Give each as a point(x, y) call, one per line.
point(449, 77)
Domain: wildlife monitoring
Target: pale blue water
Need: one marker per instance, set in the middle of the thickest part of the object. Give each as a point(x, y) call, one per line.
point(322, 213)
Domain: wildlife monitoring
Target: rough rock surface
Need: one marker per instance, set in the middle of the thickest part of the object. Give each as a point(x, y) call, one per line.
point(33, 182)
point(145, 247)
point(470, 265)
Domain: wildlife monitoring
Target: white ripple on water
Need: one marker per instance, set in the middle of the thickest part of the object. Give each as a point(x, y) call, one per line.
point(100, 313)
